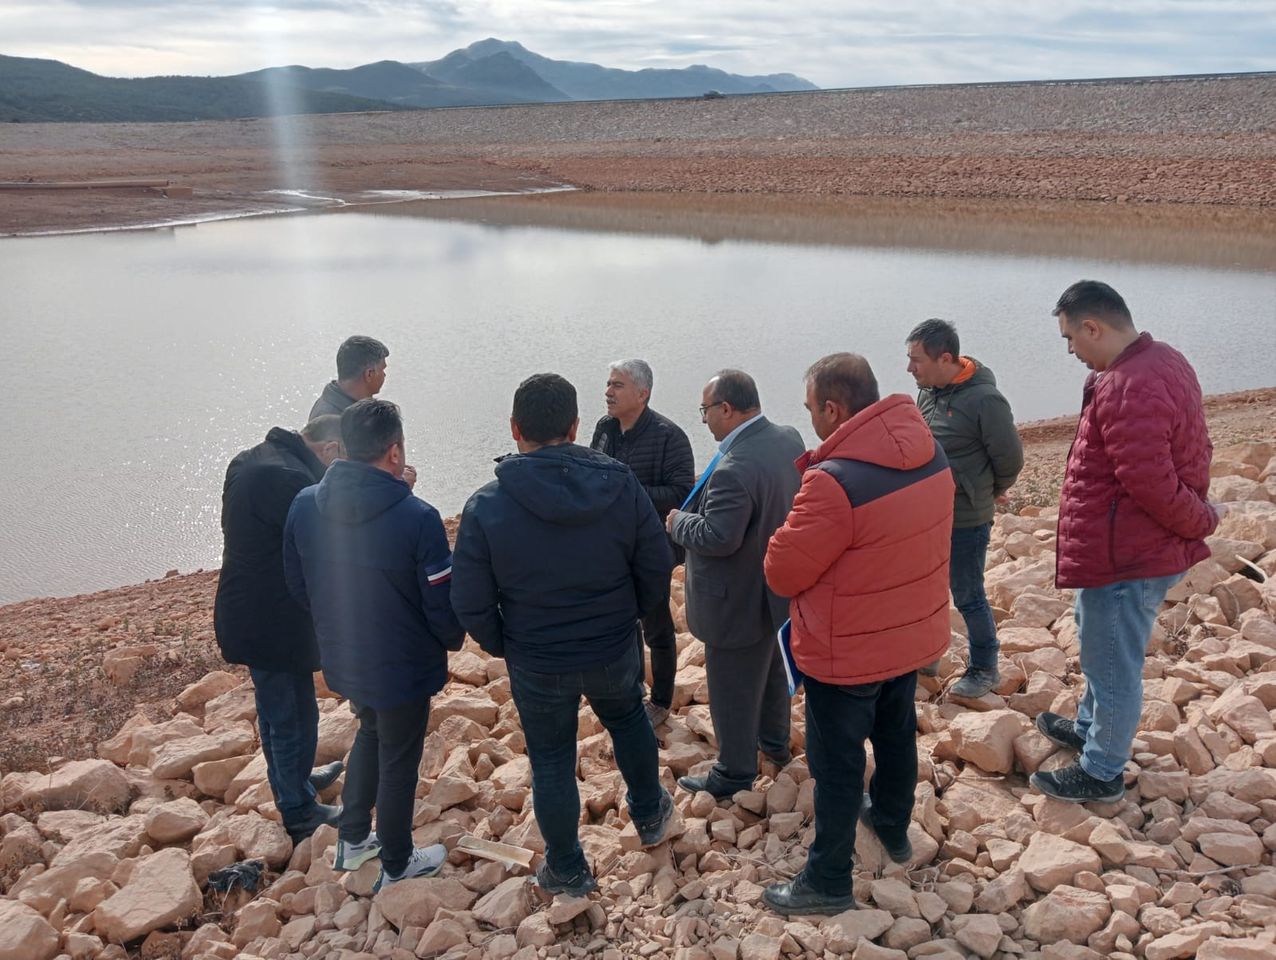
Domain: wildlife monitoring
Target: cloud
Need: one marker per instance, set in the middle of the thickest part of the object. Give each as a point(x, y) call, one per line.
point(832, 42)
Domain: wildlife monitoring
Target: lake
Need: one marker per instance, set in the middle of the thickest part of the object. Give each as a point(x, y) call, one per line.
point(140, 362)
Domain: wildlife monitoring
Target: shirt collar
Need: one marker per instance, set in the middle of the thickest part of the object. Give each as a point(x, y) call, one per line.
point(731, 437)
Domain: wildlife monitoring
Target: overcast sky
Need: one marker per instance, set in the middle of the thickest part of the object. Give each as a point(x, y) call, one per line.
point(833, 44)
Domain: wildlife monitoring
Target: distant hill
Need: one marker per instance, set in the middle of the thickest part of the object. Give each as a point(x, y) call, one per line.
point(589, 81)
point(485, 73)
point(40, 90)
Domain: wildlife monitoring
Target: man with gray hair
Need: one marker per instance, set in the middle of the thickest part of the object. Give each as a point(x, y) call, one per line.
point(360, 375)
point(658, 452)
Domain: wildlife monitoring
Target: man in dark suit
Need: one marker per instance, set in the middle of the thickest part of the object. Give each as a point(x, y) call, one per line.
point(743, 496)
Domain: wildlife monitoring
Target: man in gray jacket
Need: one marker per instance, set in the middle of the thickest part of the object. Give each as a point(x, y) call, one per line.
point(725, 523)
point(971, 420)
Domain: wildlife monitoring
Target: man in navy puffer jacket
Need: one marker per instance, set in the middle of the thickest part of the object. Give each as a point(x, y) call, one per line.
point(372, 564)
point(556, 560)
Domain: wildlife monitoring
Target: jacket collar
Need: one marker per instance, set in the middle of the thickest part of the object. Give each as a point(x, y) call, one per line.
point(739, 433)
point(1141, 343)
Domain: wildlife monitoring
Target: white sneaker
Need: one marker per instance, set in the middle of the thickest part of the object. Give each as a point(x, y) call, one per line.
point(351, 856)
point(424, 862)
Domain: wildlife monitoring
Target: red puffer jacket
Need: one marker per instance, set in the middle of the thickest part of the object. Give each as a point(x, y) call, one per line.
point(1134, 494)
point(864, 551)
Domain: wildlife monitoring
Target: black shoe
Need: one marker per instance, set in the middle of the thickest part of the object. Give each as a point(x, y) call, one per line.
point(321, 778)
point(1076, 786)
point(901, 851)
point(578, 886)
point(798, 897)
point(1061, 730)
point(780, 760)
point(652, 831)
point(708, 785)
point(316, 818)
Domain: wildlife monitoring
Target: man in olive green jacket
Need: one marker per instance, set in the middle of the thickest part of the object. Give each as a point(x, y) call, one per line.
point(972, 421)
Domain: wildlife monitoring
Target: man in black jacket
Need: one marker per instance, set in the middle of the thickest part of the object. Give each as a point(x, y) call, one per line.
point(259, 624)
point(658, 452)
point(555, 561)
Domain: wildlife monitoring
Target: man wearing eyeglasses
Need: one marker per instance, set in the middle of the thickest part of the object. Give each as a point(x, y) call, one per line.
point(741, 498)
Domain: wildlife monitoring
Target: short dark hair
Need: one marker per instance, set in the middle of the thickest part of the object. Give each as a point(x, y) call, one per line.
point(369, 428)
point(323, 428)
point(357, 354)
point(844, 378)
point(736, 388)
point(545, 407)
point(937, 338)
point(1090, 298)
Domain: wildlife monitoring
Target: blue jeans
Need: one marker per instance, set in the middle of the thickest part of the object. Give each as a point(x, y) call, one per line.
point(1113, 624)
point(288, 718)
point(966, 580)
point(838, 721)
point(548, 706)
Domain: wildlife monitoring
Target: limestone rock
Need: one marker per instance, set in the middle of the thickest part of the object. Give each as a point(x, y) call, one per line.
point(24, 934)
point(980, 933)
point(160, 892)
point(506, 906)
point(987, 739)
point(81, 784)
point(211, 685)
point(175, 821)
point(1066, 913)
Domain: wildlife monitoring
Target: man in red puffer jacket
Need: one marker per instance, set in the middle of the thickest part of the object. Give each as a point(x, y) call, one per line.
point(864, 556)
point(1133, 516)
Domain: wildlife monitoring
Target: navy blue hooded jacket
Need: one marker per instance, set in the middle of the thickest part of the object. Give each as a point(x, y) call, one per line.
point(372, 563)
point(557, 559)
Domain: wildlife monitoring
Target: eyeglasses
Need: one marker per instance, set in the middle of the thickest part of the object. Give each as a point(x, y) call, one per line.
point(706, 407)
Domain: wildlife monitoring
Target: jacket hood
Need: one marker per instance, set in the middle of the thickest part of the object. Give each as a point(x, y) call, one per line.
point(890, 433)
point(352, 492)
point(566, 483)
point(294, 443)
point(982, 377)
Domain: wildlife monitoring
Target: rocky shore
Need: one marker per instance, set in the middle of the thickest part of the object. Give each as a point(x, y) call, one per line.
point(132, 771)
point(1185, 141)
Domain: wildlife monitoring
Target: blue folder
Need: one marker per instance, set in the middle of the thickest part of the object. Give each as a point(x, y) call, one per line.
point(791, 671)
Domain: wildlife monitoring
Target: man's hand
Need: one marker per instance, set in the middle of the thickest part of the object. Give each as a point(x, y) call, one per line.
point(409, 476)
point(1002, 499)
point(669, 521)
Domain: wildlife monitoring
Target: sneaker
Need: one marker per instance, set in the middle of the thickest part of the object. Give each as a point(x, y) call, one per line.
point(652, 832)
point(1061, 730)
point(424, 862)
point(351, 856)
point(975, 684)
point(797, 897)
point(1076, 786)
point(900, 851)
point(656, 713)
point(578, 886)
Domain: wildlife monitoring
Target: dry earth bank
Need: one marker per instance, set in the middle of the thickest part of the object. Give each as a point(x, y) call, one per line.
point(106, 848)
point(1186, 141)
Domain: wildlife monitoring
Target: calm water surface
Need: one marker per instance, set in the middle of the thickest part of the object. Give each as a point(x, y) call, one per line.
point(139, 363)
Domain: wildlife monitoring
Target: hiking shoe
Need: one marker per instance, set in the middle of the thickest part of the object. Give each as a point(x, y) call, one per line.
point(319, 814)
point(351, 856)
point(1061, 730)
point(975, 684)
point(656, 713)
point(708, 785)
point(321, 778)
point(652, 831)
point(798, 897)
point(901, 851)
point(1076, 786)
point(930, 670)
point(578, 886)
point(424, 862)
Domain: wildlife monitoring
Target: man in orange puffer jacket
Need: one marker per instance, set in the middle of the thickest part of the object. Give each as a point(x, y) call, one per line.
point(864, 557)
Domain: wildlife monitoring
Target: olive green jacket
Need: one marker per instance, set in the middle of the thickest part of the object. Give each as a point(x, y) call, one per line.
point(973, 423)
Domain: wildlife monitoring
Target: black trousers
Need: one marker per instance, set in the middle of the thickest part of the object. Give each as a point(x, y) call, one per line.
point(838, 721)
point(749, 706)
point(660, 637)
point(382, 771)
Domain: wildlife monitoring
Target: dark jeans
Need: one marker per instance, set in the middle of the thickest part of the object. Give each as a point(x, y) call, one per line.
point(660, 637)
point(749, 706)
point(288, 718)
point(966, 579)
point(548, 706)
point(382, 771)
point(838, 720)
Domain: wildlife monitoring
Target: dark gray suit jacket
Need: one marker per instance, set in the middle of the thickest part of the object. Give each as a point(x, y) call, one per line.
point(725, 531)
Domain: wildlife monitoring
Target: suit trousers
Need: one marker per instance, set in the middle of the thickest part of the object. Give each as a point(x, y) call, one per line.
point(749, 704)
